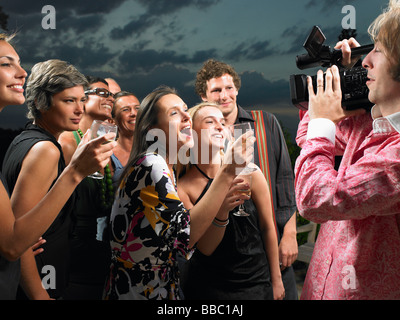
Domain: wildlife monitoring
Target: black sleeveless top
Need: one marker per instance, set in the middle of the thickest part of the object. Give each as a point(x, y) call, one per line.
point(56, 249)
point(9, 270)
point(90, 257)
point(237, 270)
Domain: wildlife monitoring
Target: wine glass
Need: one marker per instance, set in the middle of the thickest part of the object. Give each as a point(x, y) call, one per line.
point(100, 128)
point(247, 179)
point(235, 131)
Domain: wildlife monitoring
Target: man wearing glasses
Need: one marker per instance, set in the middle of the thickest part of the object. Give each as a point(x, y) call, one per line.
point(101, 92)
point(89, 256)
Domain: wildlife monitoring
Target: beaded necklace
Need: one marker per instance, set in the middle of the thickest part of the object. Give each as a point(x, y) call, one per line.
point(106, 189)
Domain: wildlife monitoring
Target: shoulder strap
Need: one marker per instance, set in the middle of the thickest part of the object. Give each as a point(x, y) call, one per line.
point(261, 142)
point(77, 137)
point(260, 132)
point(202, 172)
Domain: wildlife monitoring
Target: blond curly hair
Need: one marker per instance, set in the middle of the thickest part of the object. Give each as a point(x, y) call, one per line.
point(385, 29)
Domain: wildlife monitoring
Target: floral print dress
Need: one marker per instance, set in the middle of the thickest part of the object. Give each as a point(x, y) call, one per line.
point(149, 226)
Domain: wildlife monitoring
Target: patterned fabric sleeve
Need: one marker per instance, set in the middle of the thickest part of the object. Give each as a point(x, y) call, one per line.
point(161, 204)
point(342, 134)
point(149, 226)
point(364, 188)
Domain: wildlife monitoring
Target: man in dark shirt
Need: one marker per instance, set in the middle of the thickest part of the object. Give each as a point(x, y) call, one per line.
point(218, 82)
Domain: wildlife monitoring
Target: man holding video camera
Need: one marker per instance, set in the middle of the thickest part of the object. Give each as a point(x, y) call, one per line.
point(357, 254)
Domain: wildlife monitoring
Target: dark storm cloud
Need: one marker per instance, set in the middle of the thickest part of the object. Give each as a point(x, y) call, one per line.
point(76, 15)
point(134, 28)
point(140, 60)
point(84, 52)
point(142, 83)
point(203, 55)
point(258, 90)
point(296, 37)
point(81, 23)
point(328, 4)
point(75, 38)
point(91, 55)
point(251, 51)
point(159, 7)
point(72, 6)
point(155, 10)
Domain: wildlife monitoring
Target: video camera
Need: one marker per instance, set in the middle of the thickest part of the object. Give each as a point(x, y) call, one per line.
point(352, 81)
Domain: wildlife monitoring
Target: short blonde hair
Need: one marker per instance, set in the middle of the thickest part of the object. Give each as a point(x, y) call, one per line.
point(386, 30)
point(48, 78)
point(194, 110)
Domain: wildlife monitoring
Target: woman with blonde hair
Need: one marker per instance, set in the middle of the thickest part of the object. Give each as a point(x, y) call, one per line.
point(237, 258)
point(149, 223)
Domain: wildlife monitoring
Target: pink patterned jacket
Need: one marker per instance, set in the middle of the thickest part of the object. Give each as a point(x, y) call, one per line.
point(357, 253)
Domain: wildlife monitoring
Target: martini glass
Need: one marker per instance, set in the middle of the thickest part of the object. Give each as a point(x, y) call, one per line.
point(236, 131)
point(100, 128)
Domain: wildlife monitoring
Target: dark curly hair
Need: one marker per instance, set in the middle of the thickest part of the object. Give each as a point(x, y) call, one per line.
point(214, 69)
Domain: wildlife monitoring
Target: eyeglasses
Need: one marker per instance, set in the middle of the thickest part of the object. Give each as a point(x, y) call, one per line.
point(104, 93)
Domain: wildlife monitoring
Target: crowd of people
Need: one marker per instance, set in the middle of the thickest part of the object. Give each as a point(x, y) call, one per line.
point(156, 227)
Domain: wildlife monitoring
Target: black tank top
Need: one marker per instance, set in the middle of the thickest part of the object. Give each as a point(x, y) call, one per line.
point(56, 249)
point(237, 270)
point(9, 270)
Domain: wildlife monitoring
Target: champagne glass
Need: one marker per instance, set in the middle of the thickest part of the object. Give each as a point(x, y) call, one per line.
point(235, 131)
point(100, 128)
point(247, 179)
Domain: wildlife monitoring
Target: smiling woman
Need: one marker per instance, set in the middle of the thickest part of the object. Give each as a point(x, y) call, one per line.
point(13, 75)
point(236, 252)
point(149, 223)
point(34, 161)
point(20, 231)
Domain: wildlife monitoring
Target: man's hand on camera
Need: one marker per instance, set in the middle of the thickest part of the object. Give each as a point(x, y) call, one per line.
point(346, 45)
point(327, 101)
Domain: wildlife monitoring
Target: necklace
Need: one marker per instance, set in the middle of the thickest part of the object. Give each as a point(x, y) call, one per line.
point(107, 188)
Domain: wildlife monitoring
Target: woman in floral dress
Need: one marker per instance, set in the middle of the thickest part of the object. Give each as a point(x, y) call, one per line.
point(149, 223)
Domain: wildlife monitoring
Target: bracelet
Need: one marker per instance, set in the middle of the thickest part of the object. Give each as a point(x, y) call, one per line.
point(220, 225)
point(219, 220)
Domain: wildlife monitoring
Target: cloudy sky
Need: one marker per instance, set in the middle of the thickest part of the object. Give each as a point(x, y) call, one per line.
point(146, 43)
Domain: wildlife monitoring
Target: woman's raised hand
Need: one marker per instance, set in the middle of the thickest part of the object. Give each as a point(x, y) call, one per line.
point(92, 155)
point(240, 152)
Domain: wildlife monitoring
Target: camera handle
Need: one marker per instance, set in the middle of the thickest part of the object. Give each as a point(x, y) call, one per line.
point(358, 51)
point(327, 58)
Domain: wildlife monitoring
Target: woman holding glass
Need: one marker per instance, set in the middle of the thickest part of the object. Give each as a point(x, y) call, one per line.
point(35, 170)
point(149, 223)
point(244, 264)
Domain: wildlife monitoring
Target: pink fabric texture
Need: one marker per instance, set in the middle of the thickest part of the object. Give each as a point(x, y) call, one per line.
point(357, 253)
